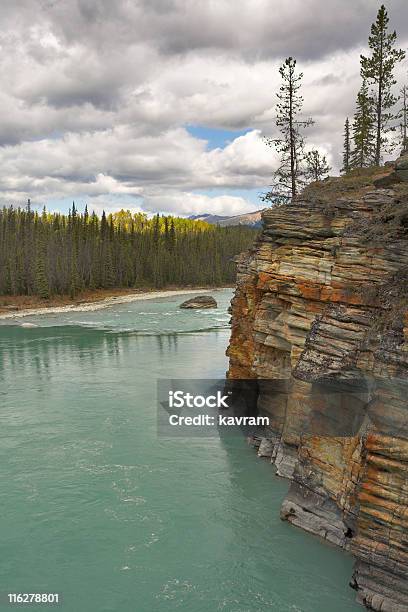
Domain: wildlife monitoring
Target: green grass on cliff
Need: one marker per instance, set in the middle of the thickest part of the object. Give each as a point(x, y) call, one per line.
point(355, 184)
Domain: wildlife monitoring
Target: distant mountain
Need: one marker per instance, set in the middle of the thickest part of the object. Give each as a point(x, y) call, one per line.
point(208, 218)
point(253, 219)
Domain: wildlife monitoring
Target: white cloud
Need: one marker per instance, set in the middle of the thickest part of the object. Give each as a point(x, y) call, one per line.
point(118, 161)
point(187, 203)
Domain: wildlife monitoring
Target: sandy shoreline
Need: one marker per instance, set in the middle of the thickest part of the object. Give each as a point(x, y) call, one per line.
point(104, 303)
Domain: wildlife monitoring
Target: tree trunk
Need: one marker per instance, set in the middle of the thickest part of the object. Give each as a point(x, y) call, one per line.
point(379, 105)
point(292, 139)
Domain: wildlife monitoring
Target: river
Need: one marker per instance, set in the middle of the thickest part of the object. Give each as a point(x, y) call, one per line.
point(97, 507)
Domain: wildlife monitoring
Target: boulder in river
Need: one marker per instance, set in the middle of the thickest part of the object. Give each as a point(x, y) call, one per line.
point(200, 301)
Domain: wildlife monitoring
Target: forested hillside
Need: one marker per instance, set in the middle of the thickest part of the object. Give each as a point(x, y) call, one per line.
point(53, 254)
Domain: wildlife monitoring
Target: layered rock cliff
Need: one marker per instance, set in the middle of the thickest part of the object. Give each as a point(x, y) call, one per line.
point(321, 306)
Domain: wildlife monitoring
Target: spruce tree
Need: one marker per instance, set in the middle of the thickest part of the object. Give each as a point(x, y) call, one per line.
point(41, 280)
point(109, 269)
point(288, 178)
point(172, 236)
point(156, 231)
point(42, 288)
point(346, 148)
point(166, 232)
point(403, 117)
point(378, 71)
point(74, 277)
point(316, 166)
point(363, 154)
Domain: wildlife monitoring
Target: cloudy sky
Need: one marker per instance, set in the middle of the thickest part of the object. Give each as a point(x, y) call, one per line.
point(161, 105)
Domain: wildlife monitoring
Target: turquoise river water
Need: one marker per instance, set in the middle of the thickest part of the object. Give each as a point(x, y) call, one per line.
point(98, 508)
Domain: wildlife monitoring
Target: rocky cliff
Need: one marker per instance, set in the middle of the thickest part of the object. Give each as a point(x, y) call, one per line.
point(322, 305)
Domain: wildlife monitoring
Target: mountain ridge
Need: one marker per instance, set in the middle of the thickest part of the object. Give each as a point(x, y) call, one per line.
point(252, 219)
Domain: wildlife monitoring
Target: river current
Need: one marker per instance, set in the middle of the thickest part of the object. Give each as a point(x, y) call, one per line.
point(97, 507)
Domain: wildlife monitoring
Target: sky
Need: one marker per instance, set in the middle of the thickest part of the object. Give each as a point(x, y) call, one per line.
point(163, 105)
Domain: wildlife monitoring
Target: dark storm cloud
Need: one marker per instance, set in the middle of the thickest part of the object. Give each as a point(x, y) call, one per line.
point(307, 29)
point(96, 94)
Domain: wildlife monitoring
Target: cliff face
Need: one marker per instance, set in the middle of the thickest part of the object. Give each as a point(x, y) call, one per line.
point(322, 303)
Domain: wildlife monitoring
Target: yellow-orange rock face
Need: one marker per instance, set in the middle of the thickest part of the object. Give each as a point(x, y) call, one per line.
point(323, 297)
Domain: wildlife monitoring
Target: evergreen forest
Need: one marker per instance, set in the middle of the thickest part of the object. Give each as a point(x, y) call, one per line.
point(54, 254)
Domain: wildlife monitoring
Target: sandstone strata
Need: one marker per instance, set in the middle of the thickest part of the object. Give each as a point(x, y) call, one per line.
point(323, 296)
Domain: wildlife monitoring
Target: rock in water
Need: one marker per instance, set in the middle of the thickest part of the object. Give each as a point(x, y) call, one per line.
point(200, 301)
point(266, 448)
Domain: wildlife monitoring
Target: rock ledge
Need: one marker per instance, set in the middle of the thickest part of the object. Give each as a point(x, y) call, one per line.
point(323, 296)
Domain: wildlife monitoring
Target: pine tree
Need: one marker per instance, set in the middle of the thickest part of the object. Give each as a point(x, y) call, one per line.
point(74, 277)
point(172, 236)
point(316, 166)
point(156, 232)
point(378, 70)
point(166, 232)
point(288, 178)
point(346, 148)
point(41, 280)
point(363, 154)
point(403, 117)
point(109, 269)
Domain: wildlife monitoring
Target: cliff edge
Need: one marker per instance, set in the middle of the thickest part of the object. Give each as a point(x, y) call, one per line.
point(322, 304)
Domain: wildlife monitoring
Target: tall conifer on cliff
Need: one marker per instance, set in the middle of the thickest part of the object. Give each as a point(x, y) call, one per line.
point(378, 71)
point(363, 154)
point(346, 148)
point(403, 118)
point(316, 166)
point(289, 177)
